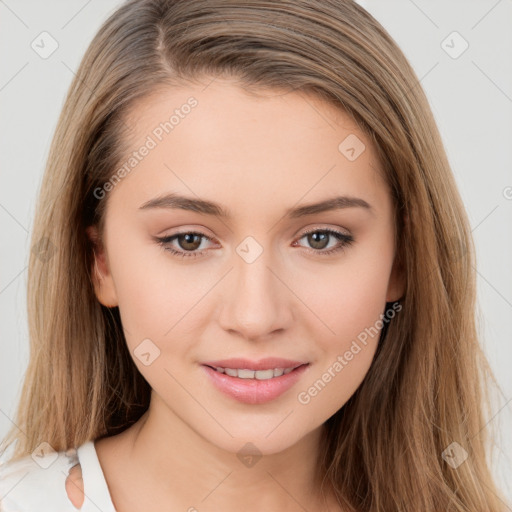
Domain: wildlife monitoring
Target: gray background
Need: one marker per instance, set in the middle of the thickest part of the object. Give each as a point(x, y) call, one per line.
point(470, 94)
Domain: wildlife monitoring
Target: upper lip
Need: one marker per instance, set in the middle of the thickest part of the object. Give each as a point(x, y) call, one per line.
point(268, 363)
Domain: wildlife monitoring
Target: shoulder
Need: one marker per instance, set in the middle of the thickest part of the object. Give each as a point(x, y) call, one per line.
point(37, 482)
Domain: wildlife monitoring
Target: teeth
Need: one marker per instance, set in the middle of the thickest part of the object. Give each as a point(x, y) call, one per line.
point(243, 373)
point(263, 374)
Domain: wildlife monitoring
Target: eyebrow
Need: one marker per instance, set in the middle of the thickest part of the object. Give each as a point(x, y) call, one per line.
point(205, 207)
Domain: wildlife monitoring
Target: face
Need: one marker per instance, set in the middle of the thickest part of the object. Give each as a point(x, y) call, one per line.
point(252, 280)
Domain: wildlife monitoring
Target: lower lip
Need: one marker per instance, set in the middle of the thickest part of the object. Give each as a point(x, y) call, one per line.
point(254, 391)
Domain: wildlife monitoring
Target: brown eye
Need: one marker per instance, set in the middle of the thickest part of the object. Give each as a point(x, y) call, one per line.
point(318, 240)
point(184, 244)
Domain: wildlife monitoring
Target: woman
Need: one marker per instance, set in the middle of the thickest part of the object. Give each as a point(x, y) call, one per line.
point(262, 293)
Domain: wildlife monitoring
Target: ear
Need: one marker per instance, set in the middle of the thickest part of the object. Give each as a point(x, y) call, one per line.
point(396, 285)
point(102, 278)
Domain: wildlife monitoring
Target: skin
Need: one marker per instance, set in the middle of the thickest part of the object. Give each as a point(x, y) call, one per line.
point(257, 156)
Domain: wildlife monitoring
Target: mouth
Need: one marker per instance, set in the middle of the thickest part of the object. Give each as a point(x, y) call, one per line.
point(254, 382)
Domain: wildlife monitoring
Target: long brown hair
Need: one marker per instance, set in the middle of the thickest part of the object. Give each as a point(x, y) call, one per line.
point(428, 383)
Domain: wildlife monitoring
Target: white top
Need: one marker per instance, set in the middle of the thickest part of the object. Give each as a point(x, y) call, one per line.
point(36, 483)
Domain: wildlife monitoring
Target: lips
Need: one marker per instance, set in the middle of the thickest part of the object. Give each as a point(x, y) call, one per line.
point(250, 381)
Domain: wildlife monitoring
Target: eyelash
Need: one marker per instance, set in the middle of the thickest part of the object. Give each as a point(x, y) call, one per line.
point(346, 240)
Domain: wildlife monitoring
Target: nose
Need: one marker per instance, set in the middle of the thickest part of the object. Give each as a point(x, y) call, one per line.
point(256, 300)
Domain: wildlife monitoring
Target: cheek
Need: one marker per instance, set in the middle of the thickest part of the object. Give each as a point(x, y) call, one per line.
point(157, 305)
point(348, 299)
point(345, 356)
point(154, 295)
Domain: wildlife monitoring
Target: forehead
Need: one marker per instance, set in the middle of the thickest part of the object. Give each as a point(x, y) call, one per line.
point(245, 147)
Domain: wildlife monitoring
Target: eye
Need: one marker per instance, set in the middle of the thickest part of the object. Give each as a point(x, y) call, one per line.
point(319, 240)
point(189, 241)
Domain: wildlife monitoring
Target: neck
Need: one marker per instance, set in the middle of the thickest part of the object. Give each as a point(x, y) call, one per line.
point(179, 467)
